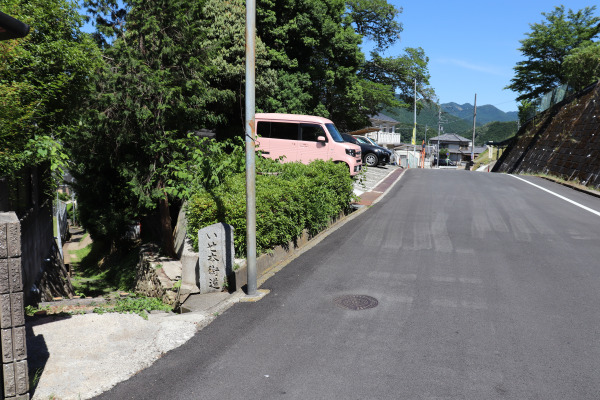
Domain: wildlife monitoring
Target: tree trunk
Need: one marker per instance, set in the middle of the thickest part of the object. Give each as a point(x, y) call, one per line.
point(165, 227)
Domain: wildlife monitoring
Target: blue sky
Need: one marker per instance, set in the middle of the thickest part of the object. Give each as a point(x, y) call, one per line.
point(472, 45)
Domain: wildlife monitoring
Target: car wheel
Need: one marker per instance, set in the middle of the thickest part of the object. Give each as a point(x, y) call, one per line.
point(371, 160)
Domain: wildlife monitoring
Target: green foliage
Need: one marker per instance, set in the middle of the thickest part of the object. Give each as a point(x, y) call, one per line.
point(140, 305)
point(493, 131)
point(31, 310)
point(582, 66)
point(443, 153)
point(398, 75)
point(526, 111)
point(314, 48)
point(316, 54)
point(547, 46)
point(44, 79)
point(290, 197)
point(108, 16)
point(98, 271)
point(154, 93)
point(485, 113)
point(375, 20)
point(173, 68)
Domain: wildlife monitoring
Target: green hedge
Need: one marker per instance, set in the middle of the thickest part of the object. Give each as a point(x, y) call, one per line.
point(290, 197)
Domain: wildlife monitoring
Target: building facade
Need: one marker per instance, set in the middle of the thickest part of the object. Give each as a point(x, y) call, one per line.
point(459, 148)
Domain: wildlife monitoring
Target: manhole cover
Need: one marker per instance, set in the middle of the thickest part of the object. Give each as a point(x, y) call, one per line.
point(356, 302)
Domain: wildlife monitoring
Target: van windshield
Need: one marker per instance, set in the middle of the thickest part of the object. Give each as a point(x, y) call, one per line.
point(335, 134)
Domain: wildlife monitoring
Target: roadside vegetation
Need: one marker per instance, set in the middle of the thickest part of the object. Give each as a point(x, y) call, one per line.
point(99, 272)
point(559, 50)
point(121, 108)
point(574, 183)
point(128, 304)
point(484, 158)
point(290, 198)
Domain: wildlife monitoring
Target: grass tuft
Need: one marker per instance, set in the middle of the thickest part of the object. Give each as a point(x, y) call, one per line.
point(97, 271)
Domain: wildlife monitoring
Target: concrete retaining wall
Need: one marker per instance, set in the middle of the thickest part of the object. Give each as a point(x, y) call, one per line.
point(564, 142)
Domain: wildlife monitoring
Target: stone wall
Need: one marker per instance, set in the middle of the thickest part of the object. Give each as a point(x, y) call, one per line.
point(564, 142)
point(12, 314)
point(158, 276)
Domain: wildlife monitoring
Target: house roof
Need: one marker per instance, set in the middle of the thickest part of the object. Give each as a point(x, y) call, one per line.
point(383, 118)
point(477, 150)
point(449, 137)
point(363, 131)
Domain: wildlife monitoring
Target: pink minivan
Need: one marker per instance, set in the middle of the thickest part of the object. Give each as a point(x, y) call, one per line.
point(304, 138)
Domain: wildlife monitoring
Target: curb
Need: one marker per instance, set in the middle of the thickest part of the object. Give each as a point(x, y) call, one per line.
point(579, 189)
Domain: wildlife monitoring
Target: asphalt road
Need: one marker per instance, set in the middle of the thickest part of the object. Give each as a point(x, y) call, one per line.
point(487, 288)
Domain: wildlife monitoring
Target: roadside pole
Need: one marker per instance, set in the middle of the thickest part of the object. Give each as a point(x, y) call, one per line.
point(414, 136)
point(473, 143)
point(58, 237)
point(250, 148)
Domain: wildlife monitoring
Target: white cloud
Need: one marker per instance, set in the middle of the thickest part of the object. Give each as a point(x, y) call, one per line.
point(488, 69)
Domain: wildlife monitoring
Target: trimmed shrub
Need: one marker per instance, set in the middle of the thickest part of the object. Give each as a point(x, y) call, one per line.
point(290, 197)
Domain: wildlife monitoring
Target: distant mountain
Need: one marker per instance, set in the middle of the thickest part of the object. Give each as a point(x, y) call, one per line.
point(485, 114)
point(428, 117)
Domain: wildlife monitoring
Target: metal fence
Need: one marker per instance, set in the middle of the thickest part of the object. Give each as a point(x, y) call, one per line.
point(386, 137)
point(548, 100)
point(59, 210)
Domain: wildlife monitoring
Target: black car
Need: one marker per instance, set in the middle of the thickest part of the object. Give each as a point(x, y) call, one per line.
point(444, 162)
point(371, 155)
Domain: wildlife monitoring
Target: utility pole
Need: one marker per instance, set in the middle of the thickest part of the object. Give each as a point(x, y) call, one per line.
point(250, 148)
point(473, 143)
point(424, 151)
point(58, 237)
point(414, 136)
point(439, 133)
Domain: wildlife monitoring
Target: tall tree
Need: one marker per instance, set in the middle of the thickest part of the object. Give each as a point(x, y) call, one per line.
point(375, 20)
point(44, 78)
point(399, 74)
point(315, 54)
point(152, 94)
point(314, 45)
point(546, 47)
point(175, 69)
point(582, 66)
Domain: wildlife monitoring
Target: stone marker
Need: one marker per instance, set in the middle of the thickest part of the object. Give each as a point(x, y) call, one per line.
point(215, 256)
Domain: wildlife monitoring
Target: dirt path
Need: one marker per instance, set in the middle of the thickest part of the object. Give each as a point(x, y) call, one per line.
point(79, 240)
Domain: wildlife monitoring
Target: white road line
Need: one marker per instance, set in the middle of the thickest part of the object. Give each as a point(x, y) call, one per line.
point(559, 196)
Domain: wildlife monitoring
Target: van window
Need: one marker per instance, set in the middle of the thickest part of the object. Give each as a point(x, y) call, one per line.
point(311, 132)
point(277, 130)
point(335, 134)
